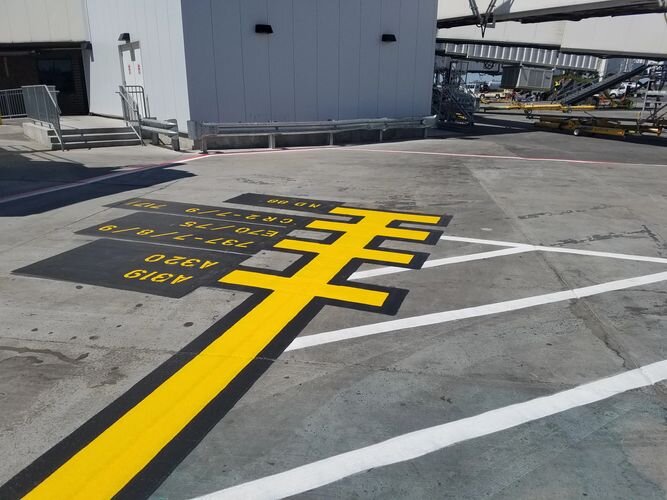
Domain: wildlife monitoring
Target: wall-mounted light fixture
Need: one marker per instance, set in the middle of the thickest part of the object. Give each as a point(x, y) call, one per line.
point(124, 37)
point(263, 28)
point(388, 37)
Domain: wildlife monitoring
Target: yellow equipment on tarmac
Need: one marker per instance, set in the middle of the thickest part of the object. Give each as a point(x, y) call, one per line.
point(601, 126)
point(529, 107)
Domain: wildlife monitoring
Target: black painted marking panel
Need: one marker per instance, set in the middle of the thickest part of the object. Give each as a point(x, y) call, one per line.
point(140, 267)
point(192, 232)
point(211, 212)
point(285, 202)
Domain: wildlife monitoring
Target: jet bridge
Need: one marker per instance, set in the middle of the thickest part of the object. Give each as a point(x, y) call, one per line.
point(555, 24)
point(529, 56)
point(452, 13)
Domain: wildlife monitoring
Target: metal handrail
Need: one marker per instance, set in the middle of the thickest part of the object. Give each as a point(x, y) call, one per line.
point(56, 122)
point(137, 94)
point(206, 130)
point(11, 104)
point(41, 105)
point(131, 113)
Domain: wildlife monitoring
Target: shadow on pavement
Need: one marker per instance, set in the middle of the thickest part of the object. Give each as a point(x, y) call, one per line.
point(43, 175)
point(487, 126)
point(26, 167)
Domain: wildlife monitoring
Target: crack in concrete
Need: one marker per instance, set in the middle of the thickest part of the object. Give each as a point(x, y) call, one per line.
point(592, 320)
point(564, 212)
point(598, 327)
point(59, 355)
point(599, 237)
point(656, 238)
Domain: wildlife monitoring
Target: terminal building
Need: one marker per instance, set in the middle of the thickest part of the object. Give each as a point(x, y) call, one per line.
point(226, 60)
point(259, 61)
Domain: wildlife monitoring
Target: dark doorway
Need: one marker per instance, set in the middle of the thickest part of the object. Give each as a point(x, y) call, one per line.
point(65, 71)
point(47, 66)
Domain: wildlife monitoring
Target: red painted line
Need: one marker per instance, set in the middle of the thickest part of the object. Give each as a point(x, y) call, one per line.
point(134, 168)
point(131, 169)
point(498, 157)
point(264, 151)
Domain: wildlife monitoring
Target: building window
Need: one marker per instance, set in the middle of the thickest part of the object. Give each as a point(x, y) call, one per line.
point(56, 72)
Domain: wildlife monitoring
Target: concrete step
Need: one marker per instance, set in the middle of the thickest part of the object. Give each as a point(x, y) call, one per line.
point(82, 138)
point(100, 144)
point(100, 137)
point(86, 131)
point(95, 137)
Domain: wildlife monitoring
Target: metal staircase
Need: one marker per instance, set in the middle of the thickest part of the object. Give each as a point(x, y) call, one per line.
point(450, 101)
point(453, 105)
point(654, 96)
point(568, 88)
point(595, 88)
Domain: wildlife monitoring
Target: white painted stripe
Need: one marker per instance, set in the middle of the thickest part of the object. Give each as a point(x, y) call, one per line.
point(610, 255)
point(470, 312)
point(442, 262)
point(574, 251)
point(431, 439)
point(480, 241)
point(502, 157)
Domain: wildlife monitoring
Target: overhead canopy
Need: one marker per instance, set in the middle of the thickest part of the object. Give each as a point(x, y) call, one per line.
point(453, 13)
point(645, 36)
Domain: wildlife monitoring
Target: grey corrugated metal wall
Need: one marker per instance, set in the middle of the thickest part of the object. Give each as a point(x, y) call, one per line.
point(324, 61)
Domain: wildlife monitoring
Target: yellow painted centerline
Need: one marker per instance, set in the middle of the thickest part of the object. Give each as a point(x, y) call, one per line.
point(104, 466)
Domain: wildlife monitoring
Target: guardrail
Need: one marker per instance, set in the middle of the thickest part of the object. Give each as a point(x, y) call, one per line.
point(162, 127)
point(41, 104)
point(11, 104)
point(204, 131)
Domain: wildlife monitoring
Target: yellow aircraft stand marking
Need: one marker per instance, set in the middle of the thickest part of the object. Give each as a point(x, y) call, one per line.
point(115, 456)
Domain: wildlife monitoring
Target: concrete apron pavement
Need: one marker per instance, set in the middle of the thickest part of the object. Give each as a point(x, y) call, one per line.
point(69, 349)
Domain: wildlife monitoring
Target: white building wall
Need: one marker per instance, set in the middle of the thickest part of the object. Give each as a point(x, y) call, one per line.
point(157, 26)
point(40, 21)
point(324, 61)
point(639, 35)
